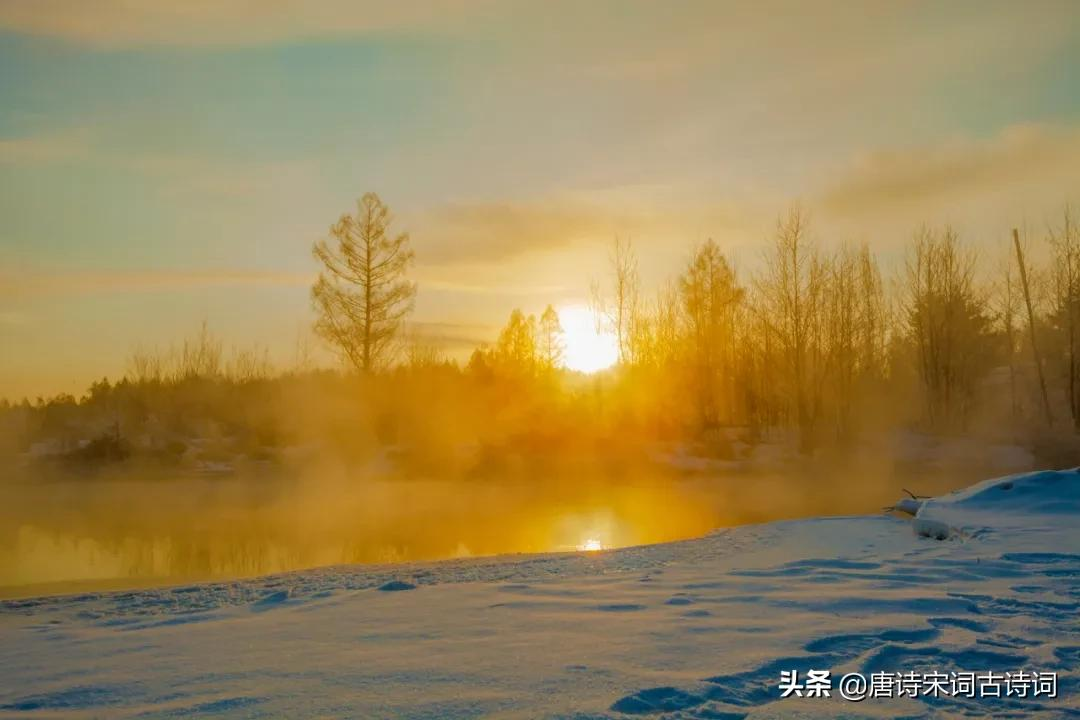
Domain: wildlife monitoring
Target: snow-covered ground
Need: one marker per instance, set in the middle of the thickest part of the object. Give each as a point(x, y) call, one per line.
point(695, 629)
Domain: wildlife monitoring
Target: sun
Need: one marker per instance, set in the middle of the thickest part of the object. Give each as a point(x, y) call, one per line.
point(586, 348)
point(591, 545)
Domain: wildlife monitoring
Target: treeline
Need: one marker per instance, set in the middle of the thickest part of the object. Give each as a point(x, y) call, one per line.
point(826, 345)
point(818, 347)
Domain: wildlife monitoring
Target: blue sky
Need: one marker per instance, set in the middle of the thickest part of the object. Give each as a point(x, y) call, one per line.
point(162, 164)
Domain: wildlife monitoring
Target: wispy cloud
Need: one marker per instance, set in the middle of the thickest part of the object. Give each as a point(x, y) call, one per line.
point(121, 23)
point(1027, 166)
point(45, 148)
point(31, 283)
point(447, 279)
point(495, 231)
point(453, 335)
point(11, 318)
point(463, 241)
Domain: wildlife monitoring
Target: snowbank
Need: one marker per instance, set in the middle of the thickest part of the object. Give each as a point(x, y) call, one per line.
point(697, 629)
point(1028, 500)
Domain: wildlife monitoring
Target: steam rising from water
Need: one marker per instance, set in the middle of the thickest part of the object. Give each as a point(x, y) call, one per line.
point(196, 528)
point(128, 530)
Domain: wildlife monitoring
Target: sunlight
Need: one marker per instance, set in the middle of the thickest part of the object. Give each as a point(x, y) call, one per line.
point(587, 349)
point(591, 545)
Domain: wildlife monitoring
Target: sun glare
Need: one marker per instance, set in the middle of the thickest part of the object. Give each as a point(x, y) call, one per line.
point(586, 349)
point(591, 545)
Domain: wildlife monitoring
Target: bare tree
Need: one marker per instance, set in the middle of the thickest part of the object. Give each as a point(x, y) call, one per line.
point(146, 366)
point(200, 356)
point(710, 295)
point(549, 339)
point(303, 354)
point(665, 325)
point(249, 364)
point(362, 295)
point(855, 341)
point(1065, 318)
point(421, 351)
point(657, 330)
point(947, 324)
point(791, 294)
point(1007, 307)
point(621, 310)
point(515, 349)
point(873, 318)
point(843, 336)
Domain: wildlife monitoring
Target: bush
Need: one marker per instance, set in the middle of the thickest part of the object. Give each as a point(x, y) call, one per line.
point(105, 448)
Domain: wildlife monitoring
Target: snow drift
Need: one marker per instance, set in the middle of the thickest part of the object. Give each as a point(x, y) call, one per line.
point(1028, 500)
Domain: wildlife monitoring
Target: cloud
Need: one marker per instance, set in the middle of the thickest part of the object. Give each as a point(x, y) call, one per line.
point(34, 283)
point(497, 231)
point(478, 236)
point(453, 335)
point(12, 318)
point(437, 279)
point(123, 23)
point(45, 148)
point(1024, 166)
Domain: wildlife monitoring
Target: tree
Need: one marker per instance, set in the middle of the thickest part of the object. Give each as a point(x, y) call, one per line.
point(710, 296)
point(657, 330)
point(873, 318)
point(362, 295)
point(549, 340)
point(621, 312)
point(1065, 313)
point(947, 324)
point(842, 335)
point(515, 349)
point(1007, 309)
point(791, 294)
point(854, 341)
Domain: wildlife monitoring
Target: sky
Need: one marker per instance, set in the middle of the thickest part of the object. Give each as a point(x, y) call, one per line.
point(164, 163)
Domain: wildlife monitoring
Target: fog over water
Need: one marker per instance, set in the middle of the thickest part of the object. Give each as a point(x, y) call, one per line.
point(73, 533)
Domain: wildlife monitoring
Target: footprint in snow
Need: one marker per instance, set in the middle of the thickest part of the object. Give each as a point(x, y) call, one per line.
point(396, 586)
point(270, 601)
point(620, 607)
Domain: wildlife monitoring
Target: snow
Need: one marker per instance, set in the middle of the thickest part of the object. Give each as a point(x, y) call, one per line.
point(695, 629)
point(1025, 503)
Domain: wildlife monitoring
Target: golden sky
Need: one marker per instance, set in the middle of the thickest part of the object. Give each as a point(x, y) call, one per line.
point(162, 163)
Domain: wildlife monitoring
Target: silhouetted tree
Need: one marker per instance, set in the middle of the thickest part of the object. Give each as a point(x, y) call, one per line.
point(362, 295)
point(791, 303)
point(1065, 311)
point(946, 323)
point(710, 296)
point(515, 350)
point(621, 309)
point(1008, 309)
point(549, 339)
point(855, 334)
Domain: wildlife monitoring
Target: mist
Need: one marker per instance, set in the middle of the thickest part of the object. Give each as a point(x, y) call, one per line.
point(822, 384)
